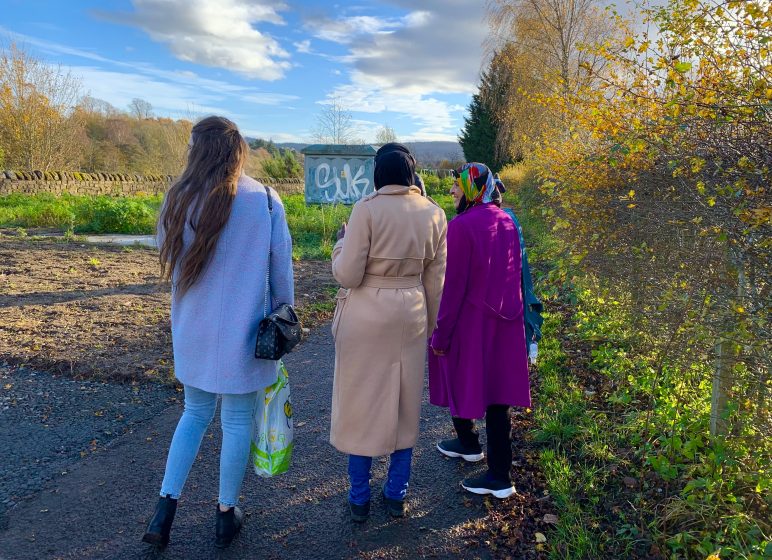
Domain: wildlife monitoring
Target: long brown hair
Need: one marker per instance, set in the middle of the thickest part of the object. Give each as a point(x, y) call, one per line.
point(203, 194)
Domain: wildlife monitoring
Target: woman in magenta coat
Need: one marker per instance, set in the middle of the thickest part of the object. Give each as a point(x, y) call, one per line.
point(478, 366)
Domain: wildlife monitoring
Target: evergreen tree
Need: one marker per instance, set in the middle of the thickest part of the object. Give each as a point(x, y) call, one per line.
point(478, 137)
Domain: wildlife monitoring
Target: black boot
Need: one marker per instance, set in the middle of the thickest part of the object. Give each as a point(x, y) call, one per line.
point(160, 525)
point(359, 512)
point(228, 526)
point(396, 508)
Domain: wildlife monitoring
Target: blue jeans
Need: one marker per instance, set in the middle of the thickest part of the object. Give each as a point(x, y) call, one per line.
point(396, 482)
point(236, 417)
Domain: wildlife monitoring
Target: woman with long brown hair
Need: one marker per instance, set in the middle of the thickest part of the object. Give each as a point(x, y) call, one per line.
point(215, 234)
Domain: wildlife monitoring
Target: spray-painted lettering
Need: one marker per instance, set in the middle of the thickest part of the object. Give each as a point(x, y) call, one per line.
point(353, 186)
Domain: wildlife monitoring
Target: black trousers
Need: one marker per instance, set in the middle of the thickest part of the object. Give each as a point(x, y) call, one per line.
point(497, 430)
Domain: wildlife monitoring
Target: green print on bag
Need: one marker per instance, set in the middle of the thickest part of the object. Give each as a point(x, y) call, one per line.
point(272, 439)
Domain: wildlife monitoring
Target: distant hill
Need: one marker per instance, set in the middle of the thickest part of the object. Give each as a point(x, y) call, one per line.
point(428, 154)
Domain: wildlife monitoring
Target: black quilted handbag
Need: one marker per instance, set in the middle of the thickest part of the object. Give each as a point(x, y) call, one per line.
point(280, 331)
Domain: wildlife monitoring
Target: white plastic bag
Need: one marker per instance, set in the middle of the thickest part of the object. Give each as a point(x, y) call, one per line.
point(271, 449)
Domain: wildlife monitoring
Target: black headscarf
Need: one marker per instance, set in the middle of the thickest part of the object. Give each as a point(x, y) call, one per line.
point(394, 165)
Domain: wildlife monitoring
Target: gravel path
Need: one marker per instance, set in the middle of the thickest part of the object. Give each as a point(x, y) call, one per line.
point(100, 507)
point(49, 423)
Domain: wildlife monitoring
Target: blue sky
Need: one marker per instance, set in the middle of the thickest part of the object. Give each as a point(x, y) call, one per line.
point(268, 65)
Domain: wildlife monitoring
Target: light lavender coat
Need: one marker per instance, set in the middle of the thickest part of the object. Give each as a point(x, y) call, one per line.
point(214, 324)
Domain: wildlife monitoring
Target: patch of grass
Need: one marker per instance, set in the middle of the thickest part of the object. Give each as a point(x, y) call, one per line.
point(317, 312)
point(573, 455)
point(81, 214)
point(313, 227)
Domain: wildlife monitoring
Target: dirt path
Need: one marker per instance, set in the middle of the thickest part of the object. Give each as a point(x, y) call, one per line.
point(99, 509)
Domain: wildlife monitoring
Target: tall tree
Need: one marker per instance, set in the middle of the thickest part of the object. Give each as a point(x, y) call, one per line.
point(541, 48)
point(39, 127)
point(478, 137)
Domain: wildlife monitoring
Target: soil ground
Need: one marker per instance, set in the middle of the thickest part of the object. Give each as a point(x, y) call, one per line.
point(100, 311)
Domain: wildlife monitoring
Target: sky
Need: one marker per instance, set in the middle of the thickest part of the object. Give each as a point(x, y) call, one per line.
point(268, 65)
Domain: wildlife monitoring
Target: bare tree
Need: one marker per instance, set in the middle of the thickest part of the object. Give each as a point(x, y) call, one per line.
point(94, 105)
point(538, 48)
point(39, 127)
point(385, 134)
point(334, 124)
point(140, 109)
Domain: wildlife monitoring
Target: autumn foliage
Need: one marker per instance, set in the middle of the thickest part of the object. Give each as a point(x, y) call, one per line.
point(654, 158)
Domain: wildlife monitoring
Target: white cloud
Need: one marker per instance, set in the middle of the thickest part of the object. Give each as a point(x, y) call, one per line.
point(277, 136)
point(403, 65)
point(432, 116)
point(170, 98)
point(441, 50)
point(345, 29)
point(218, 33)
point(162, 84)
point(303, 47)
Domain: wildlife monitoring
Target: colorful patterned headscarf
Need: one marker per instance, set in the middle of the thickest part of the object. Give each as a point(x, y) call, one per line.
point(476, 182)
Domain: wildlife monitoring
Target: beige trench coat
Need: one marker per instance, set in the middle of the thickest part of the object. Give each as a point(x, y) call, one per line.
point(391, 266)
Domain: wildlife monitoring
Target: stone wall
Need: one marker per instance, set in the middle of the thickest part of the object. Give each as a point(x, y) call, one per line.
point(111, 184)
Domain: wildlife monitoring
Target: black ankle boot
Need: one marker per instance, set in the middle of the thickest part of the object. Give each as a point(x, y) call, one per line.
point(160, 525)
point(228, 526)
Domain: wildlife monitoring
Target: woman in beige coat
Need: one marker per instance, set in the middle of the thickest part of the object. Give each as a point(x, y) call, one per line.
point(390, 262)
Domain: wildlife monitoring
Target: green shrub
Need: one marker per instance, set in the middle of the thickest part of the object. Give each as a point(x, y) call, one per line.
point(117, 215)
point(436, 186)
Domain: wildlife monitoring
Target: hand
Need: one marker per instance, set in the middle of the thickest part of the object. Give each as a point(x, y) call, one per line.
point(438, 352)
point(342, 231)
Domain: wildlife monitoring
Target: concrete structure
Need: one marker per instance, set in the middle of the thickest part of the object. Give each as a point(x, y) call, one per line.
point(338, 173)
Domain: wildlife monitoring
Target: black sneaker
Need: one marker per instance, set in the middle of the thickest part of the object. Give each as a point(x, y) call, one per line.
point(395, 508)
point(454, 448)
point(486, 485)
point(359, 512)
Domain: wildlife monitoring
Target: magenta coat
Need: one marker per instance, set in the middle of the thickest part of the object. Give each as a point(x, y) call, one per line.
point(480, 324)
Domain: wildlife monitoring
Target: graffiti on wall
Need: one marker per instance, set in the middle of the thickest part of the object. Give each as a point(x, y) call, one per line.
point(338, 180)
point(341, 186)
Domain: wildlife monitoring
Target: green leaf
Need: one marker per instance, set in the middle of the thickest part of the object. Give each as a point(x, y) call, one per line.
point(682, 67)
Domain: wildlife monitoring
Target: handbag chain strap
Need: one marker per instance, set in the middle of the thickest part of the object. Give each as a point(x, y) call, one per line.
point(270, 251)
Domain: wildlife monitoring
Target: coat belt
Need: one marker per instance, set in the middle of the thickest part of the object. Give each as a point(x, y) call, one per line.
point(374, 281)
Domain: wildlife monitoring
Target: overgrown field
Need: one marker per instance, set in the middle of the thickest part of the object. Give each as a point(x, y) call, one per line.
point(623, 432)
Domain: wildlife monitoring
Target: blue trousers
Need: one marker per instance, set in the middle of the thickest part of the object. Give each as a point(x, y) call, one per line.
point(236, 417)
point(396, 482)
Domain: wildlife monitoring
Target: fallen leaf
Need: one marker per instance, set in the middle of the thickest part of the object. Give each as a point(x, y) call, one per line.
point(540, 538)
point(550, 518)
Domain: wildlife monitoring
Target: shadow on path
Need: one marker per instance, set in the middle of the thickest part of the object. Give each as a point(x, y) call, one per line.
point(57, 296)
point(99, 510)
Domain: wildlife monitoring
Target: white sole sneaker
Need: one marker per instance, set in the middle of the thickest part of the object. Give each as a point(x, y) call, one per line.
point(469, 458)
point(500, 494)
